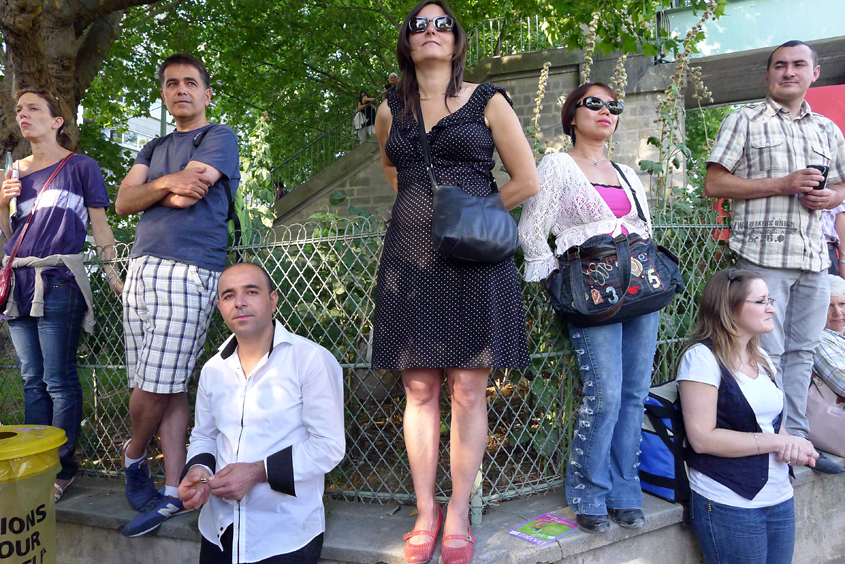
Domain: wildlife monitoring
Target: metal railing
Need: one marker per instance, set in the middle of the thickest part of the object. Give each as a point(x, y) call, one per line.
point(325, 274)
point(505, 36)
point(328, 147)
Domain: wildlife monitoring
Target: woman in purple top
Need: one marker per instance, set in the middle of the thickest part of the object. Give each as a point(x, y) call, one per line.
point(45, 332)
point(582, 194)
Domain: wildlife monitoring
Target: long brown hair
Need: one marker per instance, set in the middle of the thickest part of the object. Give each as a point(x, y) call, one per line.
point(54, 106)
point(408, 88)
point(723, 297)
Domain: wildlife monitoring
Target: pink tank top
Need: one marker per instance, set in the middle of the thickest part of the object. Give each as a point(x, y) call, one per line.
point(616, 199)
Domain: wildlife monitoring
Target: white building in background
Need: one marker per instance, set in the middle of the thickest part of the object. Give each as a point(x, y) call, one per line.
point(139, 131)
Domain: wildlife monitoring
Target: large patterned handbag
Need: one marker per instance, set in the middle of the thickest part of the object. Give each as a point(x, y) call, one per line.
point(613, 279)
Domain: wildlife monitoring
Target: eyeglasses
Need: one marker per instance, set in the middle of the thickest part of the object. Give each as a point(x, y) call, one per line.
point(441, 23)
point(763, 302)
point(595, 104)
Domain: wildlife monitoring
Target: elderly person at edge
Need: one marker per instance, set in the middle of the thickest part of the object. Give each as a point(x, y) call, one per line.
point(829, 358)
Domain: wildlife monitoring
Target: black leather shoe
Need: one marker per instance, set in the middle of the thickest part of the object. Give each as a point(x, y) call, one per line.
point(628, 518)
point(825, 465)
point(592, 523)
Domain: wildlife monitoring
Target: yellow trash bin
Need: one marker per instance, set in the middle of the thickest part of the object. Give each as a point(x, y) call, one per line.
point(29, 461)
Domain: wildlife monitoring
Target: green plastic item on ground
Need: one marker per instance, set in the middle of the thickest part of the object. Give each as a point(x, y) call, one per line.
point(29, 460)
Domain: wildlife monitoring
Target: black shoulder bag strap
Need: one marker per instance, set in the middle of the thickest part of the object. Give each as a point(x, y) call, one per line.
point(424, 146)
point(633, 192)
point(231, 215)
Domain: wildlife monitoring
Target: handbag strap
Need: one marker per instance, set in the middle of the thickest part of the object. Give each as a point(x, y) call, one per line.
point(424, 145)
point(427, 155)
point(576, 280)
point(32, 213)
point(633, 192)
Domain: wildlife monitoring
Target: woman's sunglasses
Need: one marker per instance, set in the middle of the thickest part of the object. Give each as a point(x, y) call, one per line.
point(441, 23)
point(595, 104)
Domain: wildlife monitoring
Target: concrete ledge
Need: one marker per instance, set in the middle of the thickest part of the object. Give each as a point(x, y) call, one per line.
point(93, 512)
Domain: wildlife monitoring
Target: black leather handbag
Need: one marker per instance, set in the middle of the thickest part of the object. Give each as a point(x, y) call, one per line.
point(613, 279)
point(466, 228)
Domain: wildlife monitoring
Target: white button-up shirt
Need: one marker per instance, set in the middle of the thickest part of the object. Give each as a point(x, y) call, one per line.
point(289, 413)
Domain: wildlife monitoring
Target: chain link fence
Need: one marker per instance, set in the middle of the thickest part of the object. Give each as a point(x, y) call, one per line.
point(325, 275)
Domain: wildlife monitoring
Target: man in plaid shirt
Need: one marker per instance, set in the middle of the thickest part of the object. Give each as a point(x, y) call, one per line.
point(761, 162)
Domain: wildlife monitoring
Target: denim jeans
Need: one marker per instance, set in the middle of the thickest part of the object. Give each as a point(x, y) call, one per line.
point(732, 535)
point(46, 348)
point(615, 363)
point(801, 302)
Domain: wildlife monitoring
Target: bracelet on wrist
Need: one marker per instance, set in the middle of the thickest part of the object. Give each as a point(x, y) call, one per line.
point(842, 261)
point(756, 440)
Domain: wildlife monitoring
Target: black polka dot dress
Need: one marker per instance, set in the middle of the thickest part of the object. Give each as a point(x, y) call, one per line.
point(431, 313)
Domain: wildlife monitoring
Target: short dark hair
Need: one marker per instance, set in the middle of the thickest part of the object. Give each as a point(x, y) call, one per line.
point(185, 59)
point(267, 277)
point(408, 88)
point(54, 106)
point(567, 114)
point(794, 43)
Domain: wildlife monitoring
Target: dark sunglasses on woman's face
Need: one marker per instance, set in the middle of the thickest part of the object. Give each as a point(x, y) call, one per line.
point(441, 23)
point(595, 104)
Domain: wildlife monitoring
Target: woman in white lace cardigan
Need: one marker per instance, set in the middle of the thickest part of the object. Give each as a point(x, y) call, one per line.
point(581, 195)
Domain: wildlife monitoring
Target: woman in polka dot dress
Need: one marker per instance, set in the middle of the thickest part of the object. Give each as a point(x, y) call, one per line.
point(432, 315)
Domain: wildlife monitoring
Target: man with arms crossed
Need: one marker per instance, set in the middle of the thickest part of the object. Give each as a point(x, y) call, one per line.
point(269, 425)
point(761, 161)
point(182, 183)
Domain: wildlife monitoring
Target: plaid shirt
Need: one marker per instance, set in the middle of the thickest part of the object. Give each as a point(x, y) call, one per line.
point(763, 140)
point(829, 361)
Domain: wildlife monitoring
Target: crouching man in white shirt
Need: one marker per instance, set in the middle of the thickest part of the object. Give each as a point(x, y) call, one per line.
point(269, 425)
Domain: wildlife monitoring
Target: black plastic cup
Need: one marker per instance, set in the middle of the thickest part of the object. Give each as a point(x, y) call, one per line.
point(822, 169)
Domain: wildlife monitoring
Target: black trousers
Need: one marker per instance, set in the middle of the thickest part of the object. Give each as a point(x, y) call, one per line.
point(211, 554)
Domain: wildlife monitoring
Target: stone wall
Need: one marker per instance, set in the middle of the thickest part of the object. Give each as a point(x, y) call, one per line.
point(360, 177)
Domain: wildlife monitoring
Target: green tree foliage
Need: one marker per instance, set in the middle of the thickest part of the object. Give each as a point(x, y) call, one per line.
point(701, 128)
point(303, 62)
point(59, 46)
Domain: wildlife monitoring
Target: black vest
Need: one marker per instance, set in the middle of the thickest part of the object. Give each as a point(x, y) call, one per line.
point(745, 475)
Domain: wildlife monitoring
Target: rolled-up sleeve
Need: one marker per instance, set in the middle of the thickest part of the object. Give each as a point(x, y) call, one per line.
point(730, 141)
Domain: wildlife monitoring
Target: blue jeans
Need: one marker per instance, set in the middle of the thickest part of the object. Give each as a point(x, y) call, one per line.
point(615, 363)
point(46, 348)
point(732, 535)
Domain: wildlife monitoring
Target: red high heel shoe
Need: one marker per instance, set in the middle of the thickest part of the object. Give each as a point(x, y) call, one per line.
point(424, 551)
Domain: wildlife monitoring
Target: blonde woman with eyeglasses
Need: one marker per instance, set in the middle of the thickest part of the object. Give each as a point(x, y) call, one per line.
point(741, 503)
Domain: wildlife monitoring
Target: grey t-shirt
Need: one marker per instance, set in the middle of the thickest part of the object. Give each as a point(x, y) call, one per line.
point(198, 234)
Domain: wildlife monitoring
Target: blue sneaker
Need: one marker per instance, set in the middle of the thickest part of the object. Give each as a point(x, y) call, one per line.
point(139, 484)
point(153, 514)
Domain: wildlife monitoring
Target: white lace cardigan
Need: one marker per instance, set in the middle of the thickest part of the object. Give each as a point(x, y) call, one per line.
point(569, 207)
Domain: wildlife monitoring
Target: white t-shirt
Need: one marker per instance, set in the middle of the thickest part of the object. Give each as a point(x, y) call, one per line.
point(699, 365)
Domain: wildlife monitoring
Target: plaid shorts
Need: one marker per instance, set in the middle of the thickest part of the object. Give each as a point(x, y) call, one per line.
point(167, 306)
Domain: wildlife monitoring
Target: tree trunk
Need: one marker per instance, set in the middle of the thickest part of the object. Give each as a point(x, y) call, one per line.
point(58, 45)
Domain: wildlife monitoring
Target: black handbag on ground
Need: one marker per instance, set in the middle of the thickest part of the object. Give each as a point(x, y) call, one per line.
point(466, 228)
point(613, 279)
